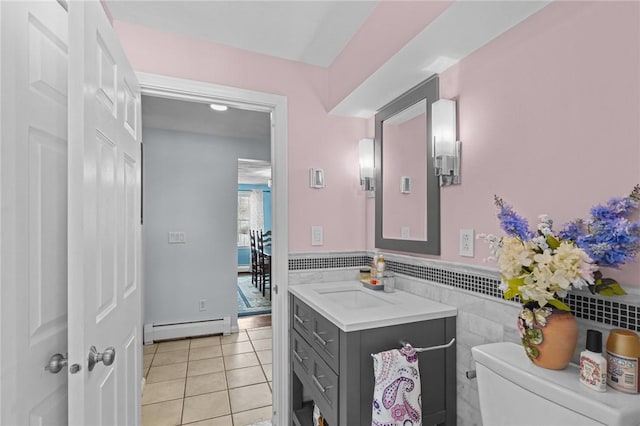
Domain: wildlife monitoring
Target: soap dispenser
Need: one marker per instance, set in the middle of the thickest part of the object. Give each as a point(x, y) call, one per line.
point(593, 366)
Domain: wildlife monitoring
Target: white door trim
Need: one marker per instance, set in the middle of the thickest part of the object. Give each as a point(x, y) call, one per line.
point(177, 88)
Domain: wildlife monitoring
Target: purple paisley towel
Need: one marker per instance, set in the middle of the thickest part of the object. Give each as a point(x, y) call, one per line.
point(396, 397)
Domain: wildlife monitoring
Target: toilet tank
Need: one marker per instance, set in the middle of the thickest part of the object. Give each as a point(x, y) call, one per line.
point(513, 391)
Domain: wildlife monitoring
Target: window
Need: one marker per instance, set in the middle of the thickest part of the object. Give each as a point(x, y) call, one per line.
point(250, 215)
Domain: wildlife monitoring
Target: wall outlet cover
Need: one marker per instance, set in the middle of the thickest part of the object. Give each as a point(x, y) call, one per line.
point(466, 242)
point(317, 237)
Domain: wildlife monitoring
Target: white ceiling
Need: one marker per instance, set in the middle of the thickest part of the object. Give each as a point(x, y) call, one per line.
point(313, 32)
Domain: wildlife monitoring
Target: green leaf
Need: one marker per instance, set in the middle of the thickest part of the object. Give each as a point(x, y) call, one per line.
point(559, 305)
point(608, 287)
point(513, 289)
point(535, 335)
point(553, 242)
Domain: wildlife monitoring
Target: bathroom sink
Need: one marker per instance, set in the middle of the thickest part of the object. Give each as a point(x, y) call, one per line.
point(352, 298)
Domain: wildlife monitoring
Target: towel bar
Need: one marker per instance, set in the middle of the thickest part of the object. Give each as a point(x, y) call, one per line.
point(430, 348)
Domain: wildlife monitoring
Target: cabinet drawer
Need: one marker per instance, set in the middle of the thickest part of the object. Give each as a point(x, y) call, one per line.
point(301, 318)
point(325, 339)
point(301, 357)
point(324, 388)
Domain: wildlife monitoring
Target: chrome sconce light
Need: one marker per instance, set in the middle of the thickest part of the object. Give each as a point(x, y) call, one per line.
point(367, 166)
point(446, 148)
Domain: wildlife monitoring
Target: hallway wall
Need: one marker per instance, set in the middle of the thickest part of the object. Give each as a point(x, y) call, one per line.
point(191, 185)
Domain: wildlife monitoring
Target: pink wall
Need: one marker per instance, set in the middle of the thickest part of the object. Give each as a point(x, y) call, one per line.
point(315, 139)
point(548, 119)
point(387, 29)
point(405, 153)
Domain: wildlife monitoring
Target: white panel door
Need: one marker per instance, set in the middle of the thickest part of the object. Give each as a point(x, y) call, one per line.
point(104, 222)
point(33, 290)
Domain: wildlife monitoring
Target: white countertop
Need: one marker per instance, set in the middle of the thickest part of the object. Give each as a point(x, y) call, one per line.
point(351, 306)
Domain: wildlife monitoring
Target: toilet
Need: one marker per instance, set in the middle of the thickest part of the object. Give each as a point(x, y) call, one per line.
point(513, 391)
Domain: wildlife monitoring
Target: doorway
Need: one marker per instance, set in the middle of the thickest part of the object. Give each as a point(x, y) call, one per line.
point(173, 88)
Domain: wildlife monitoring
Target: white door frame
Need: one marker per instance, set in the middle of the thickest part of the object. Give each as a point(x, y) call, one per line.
point(190, 90)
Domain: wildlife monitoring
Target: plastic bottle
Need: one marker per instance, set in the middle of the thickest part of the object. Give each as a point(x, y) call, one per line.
point(623, 358)
point(374, 276)
point(381, 266)
point(593, 366)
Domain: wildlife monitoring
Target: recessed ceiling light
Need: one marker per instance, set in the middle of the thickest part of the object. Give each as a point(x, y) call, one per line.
point(218, 107)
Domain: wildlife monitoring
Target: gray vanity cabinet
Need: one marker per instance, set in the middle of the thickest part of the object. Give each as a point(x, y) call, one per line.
point(334, 368)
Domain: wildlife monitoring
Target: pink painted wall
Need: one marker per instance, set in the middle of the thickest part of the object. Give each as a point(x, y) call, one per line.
point(388, 28)
point(315, 139)
point(405, 154)
point(549, 119)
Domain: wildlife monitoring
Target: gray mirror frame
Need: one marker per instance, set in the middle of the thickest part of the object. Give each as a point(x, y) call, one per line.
point(429, 90)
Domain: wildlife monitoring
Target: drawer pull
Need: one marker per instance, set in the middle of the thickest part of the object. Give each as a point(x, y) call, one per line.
point(300, 320)
point(298, 357)
point(320, 339)
point(319, 385)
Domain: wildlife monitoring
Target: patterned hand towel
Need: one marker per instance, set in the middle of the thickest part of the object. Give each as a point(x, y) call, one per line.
point(397, 399)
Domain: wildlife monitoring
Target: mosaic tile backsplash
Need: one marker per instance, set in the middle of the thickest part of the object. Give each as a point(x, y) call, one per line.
point(613, 313)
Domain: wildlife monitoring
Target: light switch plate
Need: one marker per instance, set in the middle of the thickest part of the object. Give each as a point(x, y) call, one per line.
point(405, 233)
point(177, 238)
point(317, 239)
point(466, 242)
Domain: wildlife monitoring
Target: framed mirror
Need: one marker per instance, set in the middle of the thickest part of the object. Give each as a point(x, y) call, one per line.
point(407, 190)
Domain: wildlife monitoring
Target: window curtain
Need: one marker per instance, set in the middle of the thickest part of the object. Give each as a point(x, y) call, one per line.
point(256, 209)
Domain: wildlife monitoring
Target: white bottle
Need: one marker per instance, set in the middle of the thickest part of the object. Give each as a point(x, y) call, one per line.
point(593, 366)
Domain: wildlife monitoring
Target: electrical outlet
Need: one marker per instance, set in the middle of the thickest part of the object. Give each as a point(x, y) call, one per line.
point(405, 232)
point(202, 305)
point(466, 242)
point(317, 238)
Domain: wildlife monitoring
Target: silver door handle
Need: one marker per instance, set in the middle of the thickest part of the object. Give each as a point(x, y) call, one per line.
point(299, 319)
point(316, 381)
point(320, 339)
point(107, 357)
point(56, 363)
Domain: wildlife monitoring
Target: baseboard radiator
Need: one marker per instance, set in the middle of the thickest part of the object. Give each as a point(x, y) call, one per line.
point(155, 332)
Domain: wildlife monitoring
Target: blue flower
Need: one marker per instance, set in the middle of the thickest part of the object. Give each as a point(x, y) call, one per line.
point(511, 223)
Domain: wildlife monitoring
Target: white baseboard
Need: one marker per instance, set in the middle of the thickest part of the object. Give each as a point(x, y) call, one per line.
point(155, 332)
point(244, 268)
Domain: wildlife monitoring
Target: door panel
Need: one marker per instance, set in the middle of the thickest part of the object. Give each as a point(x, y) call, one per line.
point(104, 233)
point(33, 292)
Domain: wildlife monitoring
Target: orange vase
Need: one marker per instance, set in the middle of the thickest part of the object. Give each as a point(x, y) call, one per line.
point(559, 340)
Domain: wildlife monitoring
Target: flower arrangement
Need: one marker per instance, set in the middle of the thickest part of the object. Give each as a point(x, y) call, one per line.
point(541, 267)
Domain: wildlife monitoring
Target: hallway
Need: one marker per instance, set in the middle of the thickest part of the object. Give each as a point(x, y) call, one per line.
point(210, 381)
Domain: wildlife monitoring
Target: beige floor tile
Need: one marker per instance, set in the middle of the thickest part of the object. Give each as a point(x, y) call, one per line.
point(268, 371)
point(235, 337)
point(146, 371)
point(162, 414)
point(263, 333)
point(245, 376)
point(173, 357)
point(218, 421)
point(236, 348)
point(205, 341)
point(146, 360)
point(205, 406)
point(167, 372)
point(265, 357)
point(250, 397)
point(270, 386)
point(149, 349)
point(163, 391)
point(206, 383)
point(261, 344)
point(241, 360)
point(175, 345)
point(205, 352)
point(252, 416)
point(205, 366)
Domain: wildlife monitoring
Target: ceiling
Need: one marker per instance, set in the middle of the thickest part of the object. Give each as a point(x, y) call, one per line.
point(313, 32)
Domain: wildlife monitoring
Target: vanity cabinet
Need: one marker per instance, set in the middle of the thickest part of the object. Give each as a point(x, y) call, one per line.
point(334, 368)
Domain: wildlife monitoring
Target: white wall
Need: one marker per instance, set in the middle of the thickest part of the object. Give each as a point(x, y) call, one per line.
point(190, 184)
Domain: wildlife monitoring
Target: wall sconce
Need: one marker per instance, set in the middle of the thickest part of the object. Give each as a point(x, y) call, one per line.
point(316, 178)
point(446, 149)
point(367, 165)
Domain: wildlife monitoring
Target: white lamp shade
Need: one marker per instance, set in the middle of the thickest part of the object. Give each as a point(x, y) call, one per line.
point(443, 124)
point(366, 158)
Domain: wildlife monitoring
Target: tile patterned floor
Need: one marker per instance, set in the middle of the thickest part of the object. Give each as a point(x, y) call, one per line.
point(209, 381)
